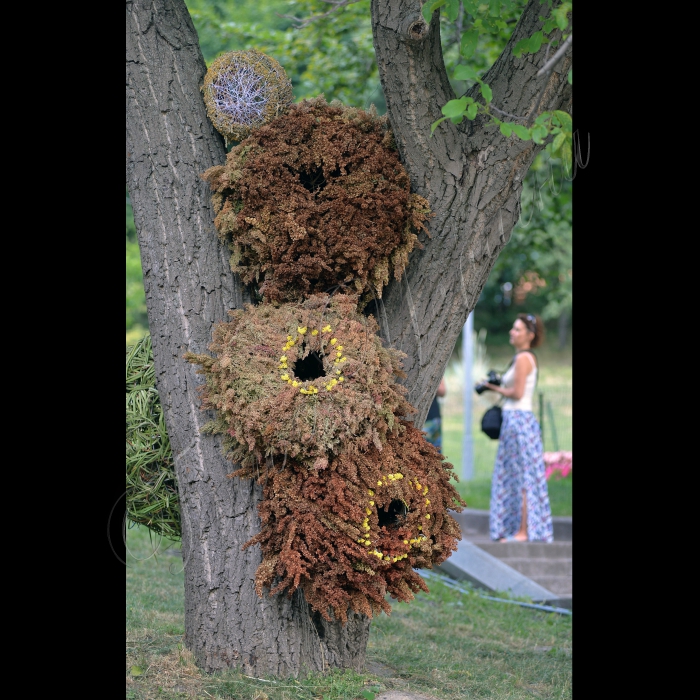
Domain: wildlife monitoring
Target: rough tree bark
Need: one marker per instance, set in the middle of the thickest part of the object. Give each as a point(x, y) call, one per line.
point(472, 178)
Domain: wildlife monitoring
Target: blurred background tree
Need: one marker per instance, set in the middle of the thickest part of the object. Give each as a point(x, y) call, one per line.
point(334, 56)
point(533, 274)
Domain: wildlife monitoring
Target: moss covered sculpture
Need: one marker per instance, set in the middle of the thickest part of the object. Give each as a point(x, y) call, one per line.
point(355, 532)
point(301, 380)
point(318, 213)
point(314, 199)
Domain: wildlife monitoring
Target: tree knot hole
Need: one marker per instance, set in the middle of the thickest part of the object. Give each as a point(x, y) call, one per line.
point(317, 620)
point(418, 30)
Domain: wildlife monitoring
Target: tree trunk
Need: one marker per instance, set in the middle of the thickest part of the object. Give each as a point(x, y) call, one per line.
point(472, 178)
point(189, 287)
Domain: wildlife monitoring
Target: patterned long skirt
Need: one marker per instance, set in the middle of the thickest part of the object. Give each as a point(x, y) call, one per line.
point(520, 467)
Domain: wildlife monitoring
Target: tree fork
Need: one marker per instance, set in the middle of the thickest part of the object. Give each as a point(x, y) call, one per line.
point(471, 174)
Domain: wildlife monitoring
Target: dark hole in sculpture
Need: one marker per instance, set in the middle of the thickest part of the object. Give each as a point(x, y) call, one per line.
point(309, 368)
point(393, 515)
point(315, 180)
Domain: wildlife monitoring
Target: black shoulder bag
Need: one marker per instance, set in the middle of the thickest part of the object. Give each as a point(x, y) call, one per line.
point(492, 420)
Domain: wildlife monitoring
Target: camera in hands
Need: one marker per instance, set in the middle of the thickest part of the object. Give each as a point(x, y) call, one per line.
point(492, 378)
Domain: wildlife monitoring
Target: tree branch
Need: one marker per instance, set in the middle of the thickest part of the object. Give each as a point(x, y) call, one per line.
point(546, 71)
point(549, 66)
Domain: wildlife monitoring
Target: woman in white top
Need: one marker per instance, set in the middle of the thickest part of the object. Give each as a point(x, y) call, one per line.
point(519, 509)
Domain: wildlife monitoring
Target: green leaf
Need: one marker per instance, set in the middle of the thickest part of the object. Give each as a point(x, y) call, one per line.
point(429, 8)
point(520, 48)
point(535, 42)
point(569, 77)
point(486, 92)
point(506, 129)
point(434, 125)
point(136, 671)
point(565, 120)
point(464, 73)
point(560, 15)
point(472, 110)
point(467, 44)
point(539, 133)
point(368, 695)
point(566, 154)
point(452, 9)
point(457, 120)
point(559, 139)
point(494, 8)
point(454, 107)
point(549, 25)
point(522, 132)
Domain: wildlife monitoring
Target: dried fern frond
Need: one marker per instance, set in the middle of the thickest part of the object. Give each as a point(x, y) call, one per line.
point(151, 486)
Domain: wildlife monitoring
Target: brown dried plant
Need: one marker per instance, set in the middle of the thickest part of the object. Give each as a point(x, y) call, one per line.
point(302, 380)
point(316, 198)
point(352, 534)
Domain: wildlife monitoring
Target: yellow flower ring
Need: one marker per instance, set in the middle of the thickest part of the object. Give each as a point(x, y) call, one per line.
point(355, 532)
point(301, 380)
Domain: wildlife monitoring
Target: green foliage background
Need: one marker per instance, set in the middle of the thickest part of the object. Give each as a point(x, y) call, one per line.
point(334, 56)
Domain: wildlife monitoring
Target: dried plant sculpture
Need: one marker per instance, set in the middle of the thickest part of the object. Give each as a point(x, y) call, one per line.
point(301, 380)
point(244, 90)
point(314, 199)
point(355, 532)
point(151, 486)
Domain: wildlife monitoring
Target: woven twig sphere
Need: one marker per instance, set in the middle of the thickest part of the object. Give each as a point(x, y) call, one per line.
point(151, 487)
point(244, 90)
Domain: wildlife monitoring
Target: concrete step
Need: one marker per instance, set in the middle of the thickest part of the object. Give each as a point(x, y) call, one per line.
point(476, 522)
point(536, 568)
point(540, 570)
point(561, 585)
point(473, 564)
point(522, 550)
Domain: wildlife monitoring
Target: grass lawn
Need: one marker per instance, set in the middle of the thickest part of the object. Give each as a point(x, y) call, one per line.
point(444, 644)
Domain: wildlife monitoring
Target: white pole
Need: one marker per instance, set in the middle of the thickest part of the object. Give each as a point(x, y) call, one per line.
point(467, 398)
